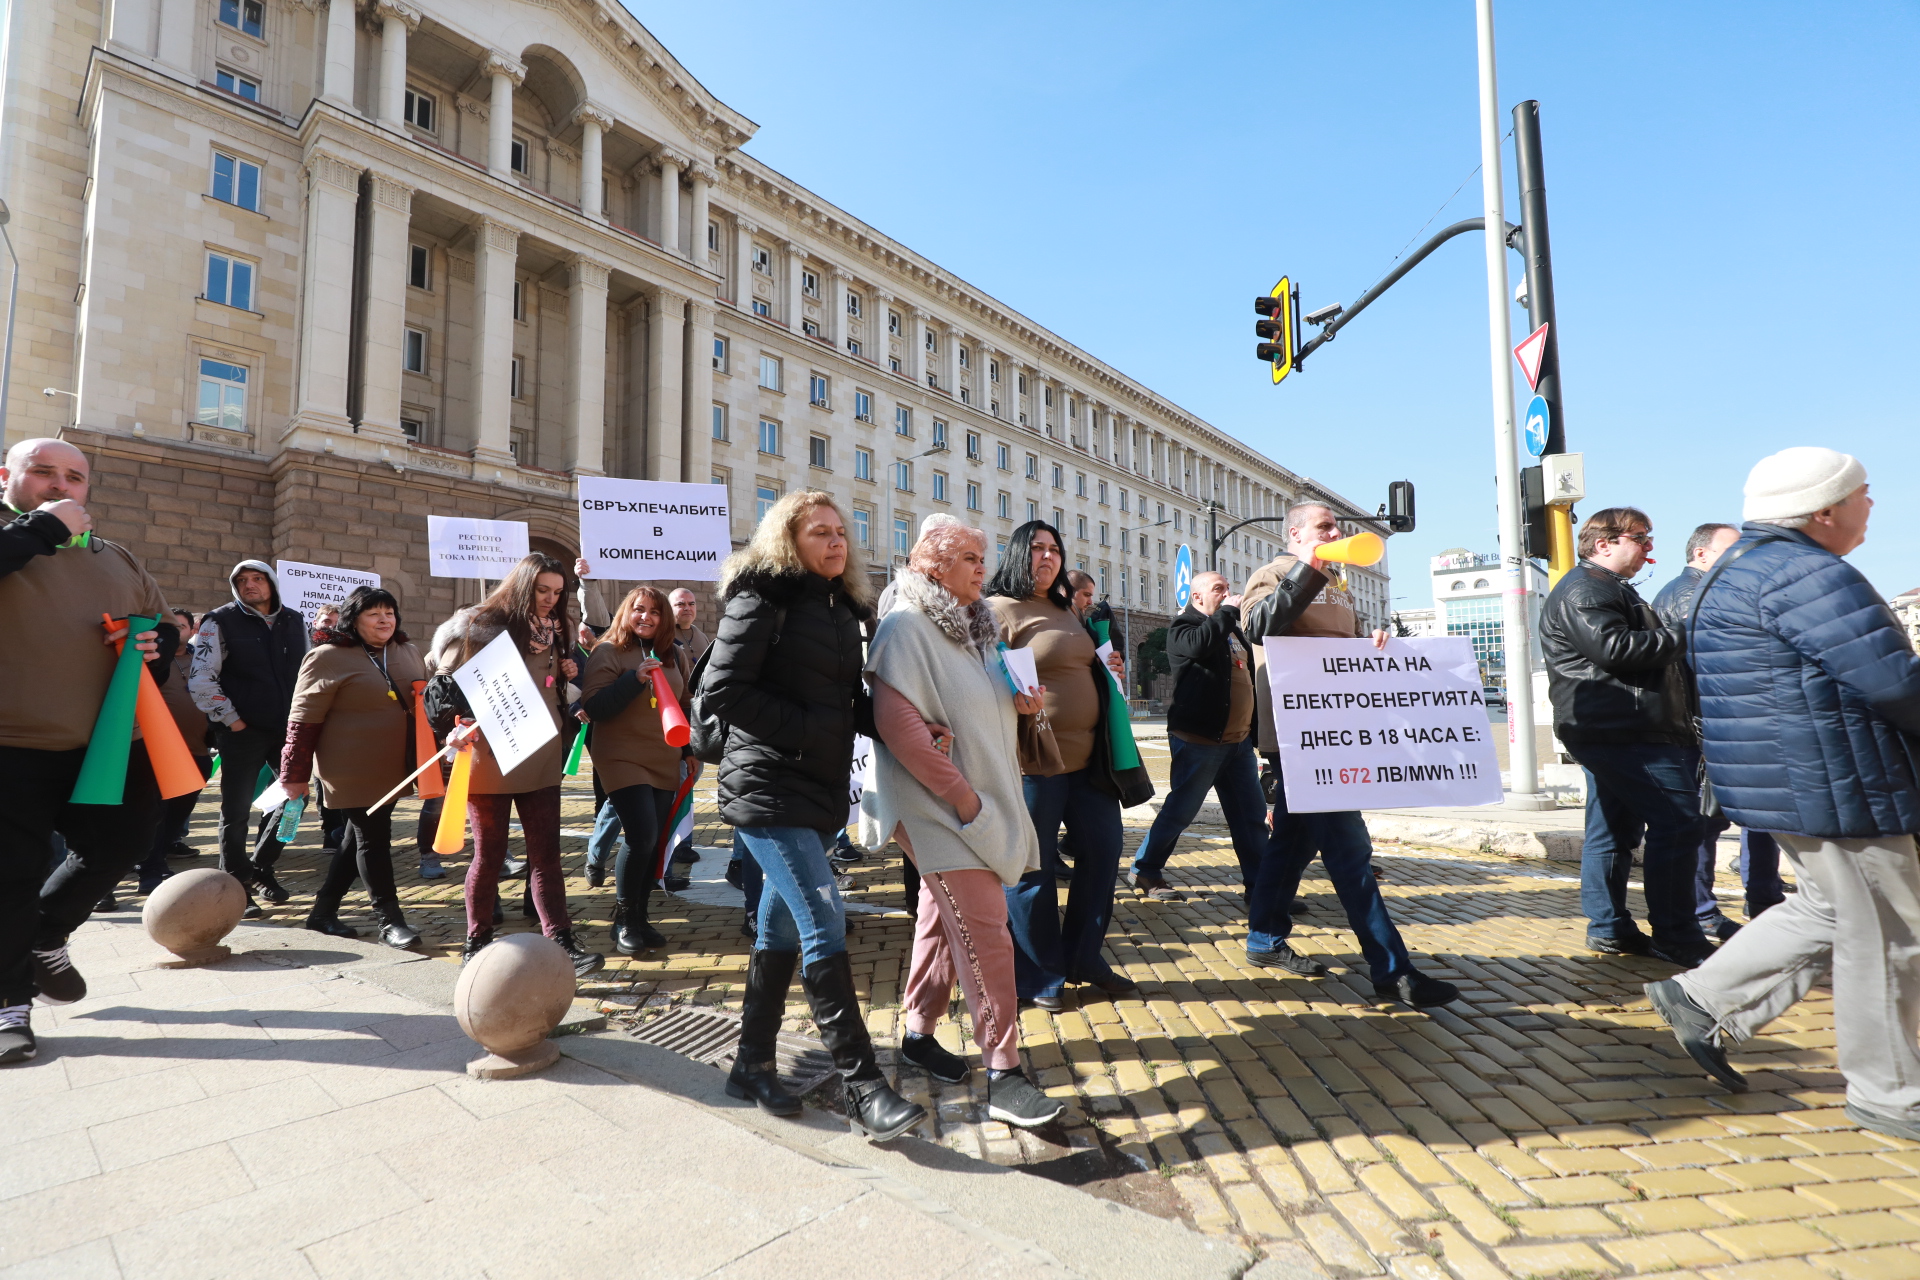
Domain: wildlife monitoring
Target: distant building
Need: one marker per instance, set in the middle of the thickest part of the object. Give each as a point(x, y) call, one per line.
point(1466, 602)
point(1416, 623)
point(1906, 607)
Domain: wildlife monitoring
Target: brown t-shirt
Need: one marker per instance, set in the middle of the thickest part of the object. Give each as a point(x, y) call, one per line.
point(1063, 654)
point(1239, 699)
point(694, 641)
point(631, 749)
point(366, 742)
point(55, 664)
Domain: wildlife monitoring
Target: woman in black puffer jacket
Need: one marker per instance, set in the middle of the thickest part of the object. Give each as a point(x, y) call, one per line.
point(784, 675)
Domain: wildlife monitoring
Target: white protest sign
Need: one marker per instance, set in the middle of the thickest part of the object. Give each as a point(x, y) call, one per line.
point(512, 715)
point(1393, 728)
point(313, 588)
point(639, 529)
point(860, 777)
point(462, 547)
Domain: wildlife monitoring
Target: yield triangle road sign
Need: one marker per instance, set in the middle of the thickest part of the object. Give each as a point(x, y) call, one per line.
point(1530, 353)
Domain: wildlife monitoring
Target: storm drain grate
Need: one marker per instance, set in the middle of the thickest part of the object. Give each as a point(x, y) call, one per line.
point(712, 1035)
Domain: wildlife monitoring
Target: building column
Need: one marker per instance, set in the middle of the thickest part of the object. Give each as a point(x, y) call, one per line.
point(917, 365)
point(838, 322)
point(983, 393)
point(495, 257)
point(668, 227)
point(593, 122)
point(326, 321)
point(743, 263)
point(877, 326)
point(697, 449)
point(951, 335)
point(397, 21)
point(587, 366)
point(700, 181)
point(336, 84)
point(666, 326)
point(794, 311)
point(383, 336)
point(505, 75)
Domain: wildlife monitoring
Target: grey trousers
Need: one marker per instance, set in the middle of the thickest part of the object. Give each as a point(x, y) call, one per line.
point(1858, 913)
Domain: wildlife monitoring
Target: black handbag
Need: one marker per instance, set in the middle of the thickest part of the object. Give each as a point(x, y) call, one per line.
point(1709, 802)
point(707, 732)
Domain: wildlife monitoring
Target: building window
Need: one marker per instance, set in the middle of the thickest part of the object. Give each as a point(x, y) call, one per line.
point(903, 477)
point(1079, 484)
point(1033, 511)
point(769, 437)
point(973, 496)
point(229, 281)
point(932, 342)
point(993, 371)
point(412, 429)
point(902, 420)
point(1080, 527)
point(893, 322)
point(1101, 489)
point(1033, 467)
point(853, 346)
point(1123, 502)
point(519, 302)
point(760, 308)
point(853, 303)
point(809, 328)
point(863, 464)
point(966, 395)
point(764, 496)
point(939, 486)
point(893, 365)
point(933, 380)
point(1003, 505)
point(1059, 518)
point(1003, 457)
point(810, 284)
point(902, 534)
point(223, 395)
point(770, 372)
point(236, 181)
point(1103, 582)
point(713, 236)
point(1161, 545)
point(817, 452)
point(862, 407)
point(993, 407)
point(1104, 535)
point(419, 110)
point(1022, 380)
point(419, 267)
point(862, 527)
point(719, 355)
point(514, 383)
point(817, 391)
point(720, 423)
point(964, 359)
point(414, 354)
point(244, 15)
point(763, 260)
point(973, 445)
point(237, 85)
point(1059, 476)
point(520, 159)
point(939, 434)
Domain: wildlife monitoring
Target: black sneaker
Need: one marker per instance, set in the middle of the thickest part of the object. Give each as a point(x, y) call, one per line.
point(430, 868)
point(16, 1033)
point(1724, 929)
point(268, 886)
point(1155, 886)
point(475, 944)
point(1634, 944)
point(1285, 957)
point(181, 849)
point(107, 903)
point(1693, 1028)
point(1418, 990)
point(1688, 955)
point(931, 1056)
point(1012, 1099)
point(58, 981)
point(734, 876)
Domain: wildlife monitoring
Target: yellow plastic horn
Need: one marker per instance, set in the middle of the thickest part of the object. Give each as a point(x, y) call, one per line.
point(1362, 549)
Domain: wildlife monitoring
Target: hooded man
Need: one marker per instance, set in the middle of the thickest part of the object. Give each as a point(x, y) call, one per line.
point(245, 664)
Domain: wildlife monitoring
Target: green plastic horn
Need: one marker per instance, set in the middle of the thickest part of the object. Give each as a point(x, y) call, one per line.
point(103, 774)
point(573, 756)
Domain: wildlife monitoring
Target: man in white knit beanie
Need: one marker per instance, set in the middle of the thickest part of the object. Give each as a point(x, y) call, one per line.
point(1809, 704)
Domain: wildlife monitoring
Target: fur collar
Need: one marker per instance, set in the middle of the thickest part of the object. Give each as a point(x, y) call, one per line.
point(782, 588)
point(971, 625)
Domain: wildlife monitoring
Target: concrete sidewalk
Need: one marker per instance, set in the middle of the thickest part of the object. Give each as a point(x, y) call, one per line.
point(302, 1110)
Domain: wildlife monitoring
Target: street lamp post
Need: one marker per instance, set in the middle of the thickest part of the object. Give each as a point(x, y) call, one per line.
point(13, 297)
point(893, 485)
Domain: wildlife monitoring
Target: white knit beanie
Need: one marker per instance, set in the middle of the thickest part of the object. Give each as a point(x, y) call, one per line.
point(1799, 482)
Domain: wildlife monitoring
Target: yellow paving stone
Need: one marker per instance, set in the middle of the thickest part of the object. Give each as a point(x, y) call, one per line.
point(1552, 1223)
point(1326, 1237)
point(1851, 1168)
point(1394, 1191)
point(1761, 1206)
point(1466, 1262)
point(1322, 1166)
point(1675, 1182)
point(1515, 1162)
point(1767, 1240)
point(1286, 1119)
point(1765, 1147)
point(1480, 1222)
point(1257, 1215)
point(1286, 1184)
point(1874, 1264)
point(1210, 1212)
point(1416, 1161)
point(1680, 1214)
point(1593, 1189)
point(1662, 1253)
point(1677, 1155)
point(1487, 1180)
point(1376, 1228)
point(1416, 1266)
point(1595, 1160)
point(1764, 1173)
point(1599, 1135)
point(1852, 1197)
point(1682, 1129)
point(1837, 1143)
point(1908, 1160)
point(1258, 1141)
point(1862, 1230)
point(1552, 1259)
point(1759, 1124)
point(1909, 1185)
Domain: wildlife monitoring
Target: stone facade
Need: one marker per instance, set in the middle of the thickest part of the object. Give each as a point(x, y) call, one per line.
point(301, 272)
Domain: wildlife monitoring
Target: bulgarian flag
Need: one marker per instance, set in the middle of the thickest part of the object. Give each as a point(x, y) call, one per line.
point(681, 828)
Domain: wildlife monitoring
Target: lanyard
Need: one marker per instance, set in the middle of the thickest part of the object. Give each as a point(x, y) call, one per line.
point(380, 665)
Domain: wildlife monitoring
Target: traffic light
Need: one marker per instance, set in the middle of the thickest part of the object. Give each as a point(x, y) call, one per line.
point(1279, 327)
point(1534, 527)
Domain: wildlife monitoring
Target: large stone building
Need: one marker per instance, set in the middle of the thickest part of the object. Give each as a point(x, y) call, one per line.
point(301, 272)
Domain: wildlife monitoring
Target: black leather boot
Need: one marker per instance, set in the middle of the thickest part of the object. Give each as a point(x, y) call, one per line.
point(631, 932)
point(325, 916)
point(584, 961)
point(769, 975)
point(475, 944)
point(873, 1108)
point(394, 929)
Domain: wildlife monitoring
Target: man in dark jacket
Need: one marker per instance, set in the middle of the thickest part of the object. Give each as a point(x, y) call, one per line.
point(1620, 706)
point(1810, 698)
point(1210, 733)
point(246, 661)
point(1759, 855)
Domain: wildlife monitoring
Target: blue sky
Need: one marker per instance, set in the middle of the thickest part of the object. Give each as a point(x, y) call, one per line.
point(1732, 188)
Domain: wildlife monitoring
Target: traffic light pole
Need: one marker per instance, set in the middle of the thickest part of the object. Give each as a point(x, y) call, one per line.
point(1537, 249)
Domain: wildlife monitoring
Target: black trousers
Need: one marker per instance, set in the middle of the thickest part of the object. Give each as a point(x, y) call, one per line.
point(38, 910)
point(242, 755)
point(366, 847)
point(644, 813)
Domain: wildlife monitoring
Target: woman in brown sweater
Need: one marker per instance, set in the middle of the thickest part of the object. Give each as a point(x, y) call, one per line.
point(351, 728)
point(1061, 764)
point(637, 767)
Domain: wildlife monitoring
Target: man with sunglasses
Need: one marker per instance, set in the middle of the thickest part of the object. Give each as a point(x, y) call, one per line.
point(1620, 707)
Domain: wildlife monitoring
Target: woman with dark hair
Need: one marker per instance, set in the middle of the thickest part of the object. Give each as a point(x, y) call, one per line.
point(630, 752)
point(351, 729)
point(1065, 780)
point(784, 674)
point(530, 606)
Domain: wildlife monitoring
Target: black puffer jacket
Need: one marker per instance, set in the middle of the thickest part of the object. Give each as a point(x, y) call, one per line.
point(792, 702)
point(1200, 652)
point(1613, 668)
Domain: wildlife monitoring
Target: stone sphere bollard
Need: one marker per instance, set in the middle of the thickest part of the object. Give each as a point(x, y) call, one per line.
point(508, 998)
point(190, 912)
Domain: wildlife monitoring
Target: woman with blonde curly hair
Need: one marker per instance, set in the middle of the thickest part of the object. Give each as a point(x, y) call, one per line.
point(784, 675)
point(947, 788)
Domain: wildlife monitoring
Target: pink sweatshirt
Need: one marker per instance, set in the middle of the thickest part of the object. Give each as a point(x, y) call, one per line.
point(911, 741)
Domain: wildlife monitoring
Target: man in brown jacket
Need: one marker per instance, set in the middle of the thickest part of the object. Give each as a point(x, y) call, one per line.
point(1300, 595)
point(57, 578)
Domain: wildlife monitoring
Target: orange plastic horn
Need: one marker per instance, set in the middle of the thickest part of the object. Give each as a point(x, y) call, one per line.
point(431, 784)
point(173, 765)
point(1362, 549)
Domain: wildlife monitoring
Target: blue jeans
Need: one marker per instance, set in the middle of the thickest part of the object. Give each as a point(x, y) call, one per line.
point(803, 912)
point(752, 883)
point(1759, 872)
point(1346, 847)
point(1636, 789)
point(1049, 952)
point(607, 832)
point(1232, 771)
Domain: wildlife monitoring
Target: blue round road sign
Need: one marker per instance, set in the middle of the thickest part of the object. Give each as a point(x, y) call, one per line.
point(1538, 423)
point(1182, 576)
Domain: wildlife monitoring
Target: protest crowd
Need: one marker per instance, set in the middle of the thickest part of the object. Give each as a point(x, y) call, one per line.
point(1768, 687)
